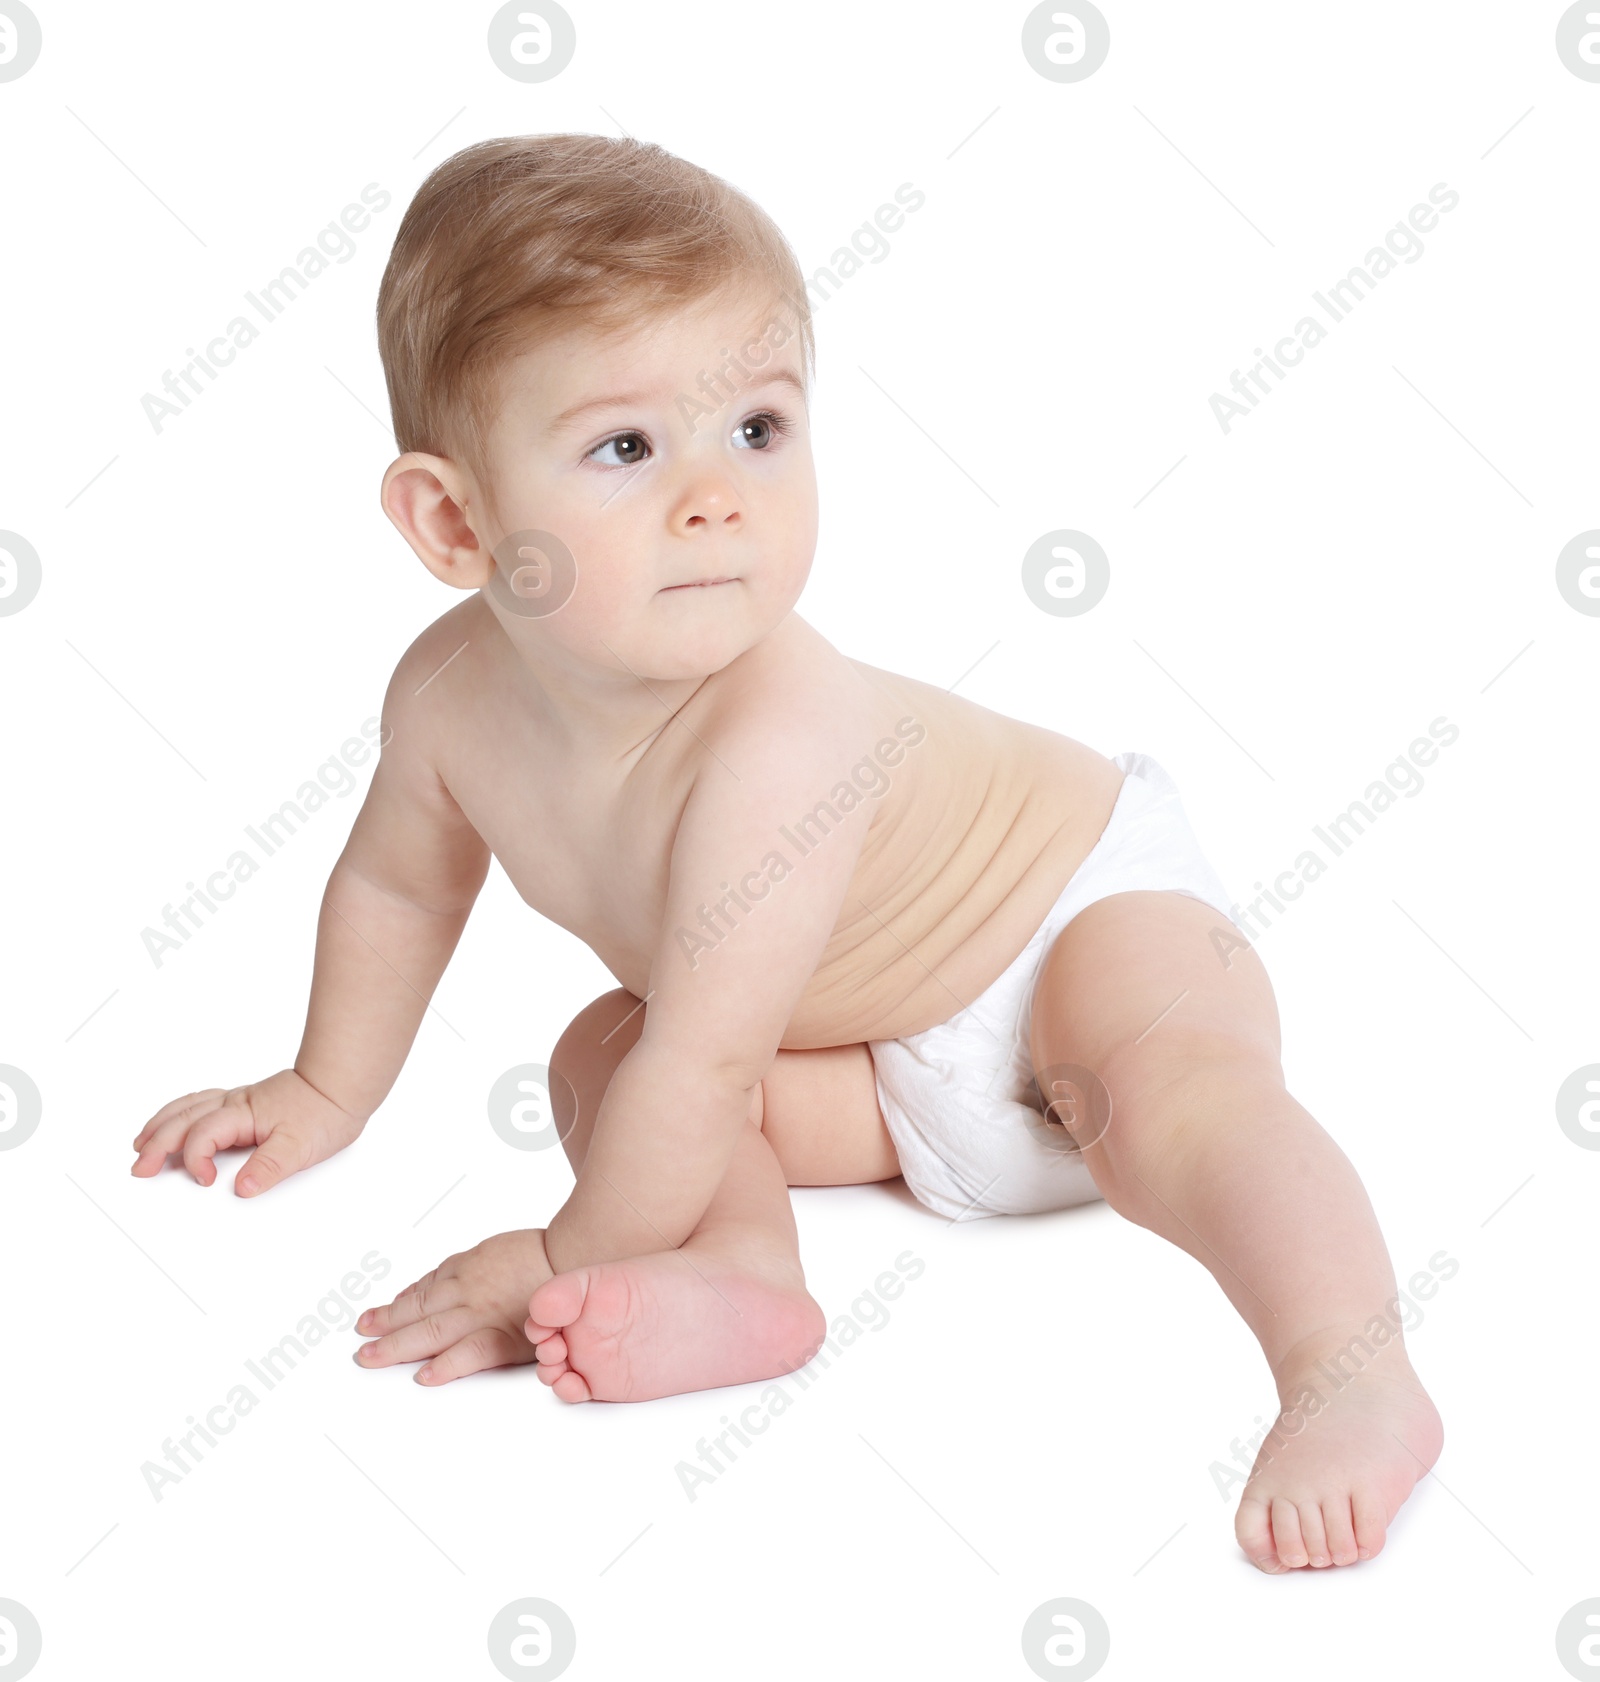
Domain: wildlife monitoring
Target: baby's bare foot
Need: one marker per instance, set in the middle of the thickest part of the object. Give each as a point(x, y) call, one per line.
point(661, 1324)
point(1339, 1464)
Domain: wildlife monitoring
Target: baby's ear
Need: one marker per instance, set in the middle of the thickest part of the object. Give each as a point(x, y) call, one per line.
point(425, 497)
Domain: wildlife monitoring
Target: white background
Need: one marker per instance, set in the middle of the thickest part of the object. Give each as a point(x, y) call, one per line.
point(1290, 606)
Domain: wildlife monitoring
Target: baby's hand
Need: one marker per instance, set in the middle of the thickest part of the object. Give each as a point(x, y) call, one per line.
point(468, 1312)
point(287, 1119)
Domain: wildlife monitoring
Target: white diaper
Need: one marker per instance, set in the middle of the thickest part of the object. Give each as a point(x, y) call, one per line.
point(960, 1098)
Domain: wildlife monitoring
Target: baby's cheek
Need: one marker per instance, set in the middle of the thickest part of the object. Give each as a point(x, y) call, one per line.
point(782, 583)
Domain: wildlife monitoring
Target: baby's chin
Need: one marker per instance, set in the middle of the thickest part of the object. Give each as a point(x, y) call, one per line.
point(696, 637)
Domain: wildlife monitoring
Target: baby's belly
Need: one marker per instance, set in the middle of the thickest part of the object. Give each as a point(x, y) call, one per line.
point(946, 938)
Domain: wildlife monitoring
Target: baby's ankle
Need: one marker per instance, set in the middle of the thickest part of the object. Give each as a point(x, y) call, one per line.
point(751, 1252)
point(1336, 1354)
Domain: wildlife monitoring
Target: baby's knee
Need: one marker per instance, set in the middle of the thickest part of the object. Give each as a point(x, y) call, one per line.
point(592, 1022)
point(583, 1061)
point(1193, 1091)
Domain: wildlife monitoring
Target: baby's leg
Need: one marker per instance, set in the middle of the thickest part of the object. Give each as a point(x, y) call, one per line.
point(1205, 1147)
point(730, 1305)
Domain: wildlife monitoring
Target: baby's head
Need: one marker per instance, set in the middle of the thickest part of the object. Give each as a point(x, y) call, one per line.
point(599, 360)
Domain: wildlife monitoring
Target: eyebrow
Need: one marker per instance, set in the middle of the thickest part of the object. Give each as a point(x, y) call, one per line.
point(622, 400)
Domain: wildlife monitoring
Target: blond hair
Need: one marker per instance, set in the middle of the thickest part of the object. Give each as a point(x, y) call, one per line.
point(560, 230)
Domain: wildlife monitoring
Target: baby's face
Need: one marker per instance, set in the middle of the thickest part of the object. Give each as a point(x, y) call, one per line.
point(687, 501)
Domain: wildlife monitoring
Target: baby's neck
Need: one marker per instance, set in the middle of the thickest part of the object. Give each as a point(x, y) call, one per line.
point(606, 715)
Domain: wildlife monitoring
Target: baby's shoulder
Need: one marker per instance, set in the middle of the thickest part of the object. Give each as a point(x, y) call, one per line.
point(455, 625)
point(420, 701)
point(791, 688)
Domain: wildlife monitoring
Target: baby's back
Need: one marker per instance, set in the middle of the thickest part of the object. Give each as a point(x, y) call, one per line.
point(984, 821)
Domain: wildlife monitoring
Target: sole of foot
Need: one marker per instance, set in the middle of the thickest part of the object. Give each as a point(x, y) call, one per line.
point(665, 1324)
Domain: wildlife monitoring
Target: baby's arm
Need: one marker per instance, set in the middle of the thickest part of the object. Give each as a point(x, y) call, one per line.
point(391, 917)
point(393, 911)
point(667, 1126)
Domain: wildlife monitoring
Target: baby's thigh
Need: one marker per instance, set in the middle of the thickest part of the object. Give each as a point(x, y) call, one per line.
point(1145, 983)
point(819, 1112)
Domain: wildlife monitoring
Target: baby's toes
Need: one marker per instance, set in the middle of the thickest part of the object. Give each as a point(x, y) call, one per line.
point(559, 1301)
point(550, 1371)
point(570, 1387)
point(1312, 1532)
point(1339, 1527)
point(1372, 1521)
point(1286, 1533)
point(1253, 1527)
point(551, 1349)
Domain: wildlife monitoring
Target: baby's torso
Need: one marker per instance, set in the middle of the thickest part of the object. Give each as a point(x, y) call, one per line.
point(979, 821)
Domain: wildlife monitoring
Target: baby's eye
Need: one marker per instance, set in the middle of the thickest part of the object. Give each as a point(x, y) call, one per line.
point(630, 446)
point(758, 432)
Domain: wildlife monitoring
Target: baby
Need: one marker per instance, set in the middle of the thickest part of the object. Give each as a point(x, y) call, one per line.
point(861, 927)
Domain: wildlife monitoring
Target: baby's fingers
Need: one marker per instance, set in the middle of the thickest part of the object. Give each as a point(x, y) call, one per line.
point(423, 1296)
point(284, 1151)
point(157, 1142)
point(379, 1322)
point(422, 1338)
point(178, 1107)
point(489, 1346)
point(221, 1130)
